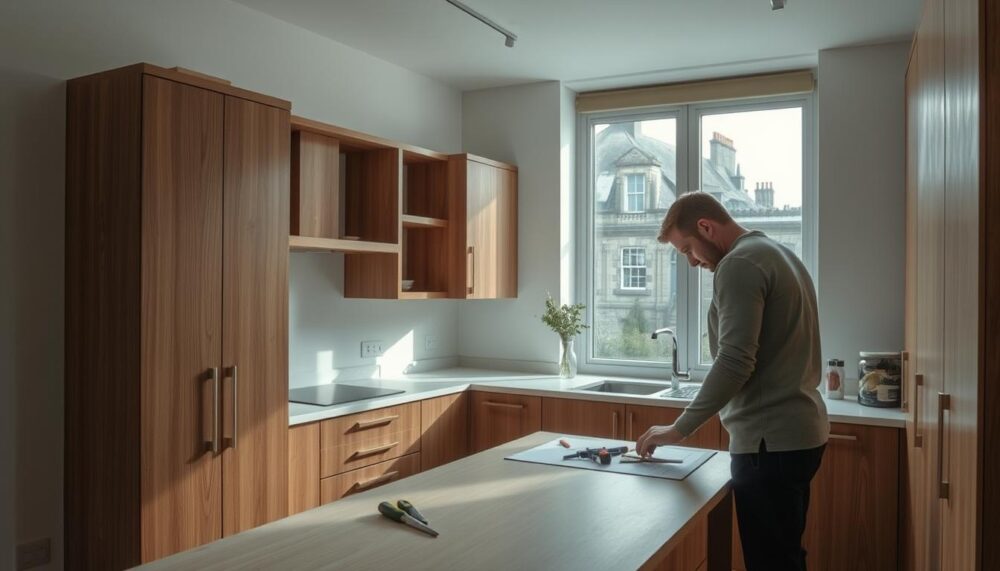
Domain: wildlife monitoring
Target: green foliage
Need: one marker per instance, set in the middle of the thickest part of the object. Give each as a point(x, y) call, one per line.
point(566, 320)
point(635, 342)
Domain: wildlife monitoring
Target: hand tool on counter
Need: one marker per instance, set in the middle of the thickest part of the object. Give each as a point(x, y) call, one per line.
point(395, 514)
point(601, 455)
point(631, 457)
point(410, 509)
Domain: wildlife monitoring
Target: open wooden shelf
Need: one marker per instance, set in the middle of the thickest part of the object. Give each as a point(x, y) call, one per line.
point(412, 221)
point(423, 294)
point(310, 244)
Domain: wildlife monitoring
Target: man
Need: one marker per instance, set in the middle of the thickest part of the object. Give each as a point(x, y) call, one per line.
point(764, 334)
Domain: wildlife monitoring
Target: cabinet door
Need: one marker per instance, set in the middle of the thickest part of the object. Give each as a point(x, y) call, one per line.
point(303, 467)
point(180, 477)
point(255, 315)
point(498, 418)
point(852, 522)
point(584, 418)
point(491, 231)
point(639, 419)
point(444, 424)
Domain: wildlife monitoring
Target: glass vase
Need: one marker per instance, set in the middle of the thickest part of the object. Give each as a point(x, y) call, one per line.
point(567, 362)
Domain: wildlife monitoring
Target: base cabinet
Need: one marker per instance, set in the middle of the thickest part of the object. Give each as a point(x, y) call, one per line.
point(498, 418)
point(370, 477)
point(444, 430)
point(853, 507)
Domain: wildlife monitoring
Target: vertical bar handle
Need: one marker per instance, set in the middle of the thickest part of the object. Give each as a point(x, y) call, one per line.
point(213, 443)
point(944, 403)
point(232, 373)
point(631, 422)
point(614, 425)
point(918, 384)
point(471, 260)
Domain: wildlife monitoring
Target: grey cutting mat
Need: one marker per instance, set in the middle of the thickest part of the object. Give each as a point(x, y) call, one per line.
point(552, 453)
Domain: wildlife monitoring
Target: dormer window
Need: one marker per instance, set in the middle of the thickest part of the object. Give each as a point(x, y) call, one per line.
point(635, 193)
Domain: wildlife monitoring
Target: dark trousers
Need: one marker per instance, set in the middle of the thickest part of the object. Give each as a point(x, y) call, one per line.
point(771, 490)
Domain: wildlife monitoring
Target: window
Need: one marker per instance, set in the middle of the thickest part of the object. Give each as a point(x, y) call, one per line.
point(754, 156)
point(635, 193)
point(633, 268)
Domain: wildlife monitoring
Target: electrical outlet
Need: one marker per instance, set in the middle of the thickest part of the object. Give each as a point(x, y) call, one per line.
point(432, 342)
point(371, 349)
point(34, 554)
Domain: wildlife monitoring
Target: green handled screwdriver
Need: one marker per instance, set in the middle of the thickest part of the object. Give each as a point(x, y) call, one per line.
point(412, 510)
point(392, 512)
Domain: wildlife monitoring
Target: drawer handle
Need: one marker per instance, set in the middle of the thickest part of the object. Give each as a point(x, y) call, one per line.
point(944, 403)
point(387, 477)
point(365, 424)
point(376, 450)
point(503, 404)
point(850, 437)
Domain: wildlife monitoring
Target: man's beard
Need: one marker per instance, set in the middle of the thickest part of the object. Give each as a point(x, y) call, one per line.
point(711, 251)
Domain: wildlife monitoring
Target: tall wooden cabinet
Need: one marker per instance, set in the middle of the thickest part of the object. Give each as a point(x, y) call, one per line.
point(176, 314)
point(952, 310)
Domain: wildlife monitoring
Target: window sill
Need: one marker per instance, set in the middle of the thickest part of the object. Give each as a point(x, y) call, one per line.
point(633, 292)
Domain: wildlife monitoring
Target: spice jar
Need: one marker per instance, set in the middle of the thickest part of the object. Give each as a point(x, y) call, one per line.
point(879, 379)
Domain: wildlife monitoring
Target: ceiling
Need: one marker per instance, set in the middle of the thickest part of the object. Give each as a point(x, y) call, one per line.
point(595, 44)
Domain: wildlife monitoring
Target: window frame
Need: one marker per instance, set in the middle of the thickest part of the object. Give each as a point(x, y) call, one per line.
point(623, 266)
point(688, 178)
point(629, 194)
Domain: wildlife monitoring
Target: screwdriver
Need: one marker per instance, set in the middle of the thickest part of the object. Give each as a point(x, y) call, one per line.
point(392, 512)
point(412, 510)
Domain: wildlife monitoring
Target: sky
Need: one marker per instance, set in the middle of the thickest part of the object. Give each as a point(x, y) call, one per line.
point(768, 146)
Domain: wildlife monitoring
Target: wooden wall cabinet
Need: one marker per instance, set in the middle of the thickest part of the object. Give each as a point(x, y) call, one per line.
point(498, 418)
point(176, 314)
point(484, 230)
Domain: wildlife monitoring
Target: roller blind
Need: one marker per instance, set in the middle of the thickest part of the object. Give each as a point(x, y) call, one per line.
point(785, 83)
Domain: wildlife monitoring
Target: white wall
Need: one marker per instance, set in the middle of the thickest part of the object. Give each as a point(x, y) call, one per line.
point(43, 43)
point(862, 230)
point(521, 125)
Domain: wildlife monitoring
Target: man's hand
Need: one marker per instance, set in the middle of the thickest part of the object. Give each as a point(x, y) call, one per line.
point(657, 436)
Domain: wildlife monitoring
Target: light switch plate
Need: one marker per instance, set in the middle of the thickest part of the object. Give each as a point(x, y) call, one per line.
point(34, 554)
point(371, 349)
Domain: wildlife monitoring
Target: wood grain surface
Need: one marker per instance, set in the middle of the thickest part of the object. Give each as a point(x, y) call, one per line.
point(181, 478)
point(491, 514)
point(586, 418)
point(359, 440)
point(303, 467)
point(498, 418)
point(255, 314)
point(444, 427)
point(368, 478)
point(315, 186)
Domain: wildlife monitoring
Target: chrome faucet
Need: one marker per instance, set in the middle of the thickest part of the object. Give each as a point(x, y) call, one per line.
point(677, 376)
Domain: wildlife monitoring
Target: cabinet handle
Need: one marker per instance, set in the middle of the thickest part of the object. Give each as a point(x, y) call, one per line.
point(918, 438)
point(614, 425)
point(376, 450)
point(387, 477)
point(232, 373)
point(850, 437)
point(944, 403)
point(631, 422)
point(365, 424)
point(502, 404)
point(471, 256)
point(213, 444)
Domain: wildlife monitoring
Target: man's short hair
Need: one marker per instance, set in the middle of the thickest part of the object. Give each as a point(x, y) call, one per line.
point(688, 209)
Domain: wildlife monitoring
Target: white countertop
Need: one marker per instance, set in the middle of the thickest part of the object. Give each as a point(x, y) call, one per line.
point(449, 381)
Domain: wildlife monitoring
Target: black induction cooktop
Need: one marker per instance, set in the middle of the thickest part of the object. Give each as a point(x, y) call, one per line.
point(336, 393)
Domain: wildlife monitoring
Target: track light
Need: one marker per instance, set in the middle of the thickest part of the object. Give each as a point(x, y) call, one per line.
point(509, 36)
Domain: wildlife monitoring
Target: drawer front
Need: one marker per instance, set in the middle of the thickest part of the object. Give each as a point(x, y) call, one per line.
point(498, 418)
point(360, 440)
point(357, 481)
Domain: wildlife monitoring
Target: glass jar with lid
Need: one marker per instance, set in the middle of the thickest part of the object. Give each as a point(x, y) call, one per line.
point(879, 378)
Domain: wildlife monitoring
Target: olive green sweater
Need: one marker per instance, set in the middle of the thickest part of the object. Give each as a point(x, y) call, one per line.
point(763, 331)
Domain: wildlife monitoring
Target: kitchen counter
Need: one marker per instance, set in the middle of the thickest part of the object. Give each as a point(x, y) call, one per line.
point(456, 380)
point(494, 514)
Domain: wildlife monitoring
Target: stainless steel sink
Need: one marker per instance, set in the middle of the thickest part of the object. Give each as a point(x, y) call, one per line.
point(625, 387)
point(686, 392)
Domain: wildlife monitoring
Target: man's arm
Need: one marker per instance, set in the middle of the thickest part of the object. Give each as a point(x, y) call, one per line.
point(742, 287)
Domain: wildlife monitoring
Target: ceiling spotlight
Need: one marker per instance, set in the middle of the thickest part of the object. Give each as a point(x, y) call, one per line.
point(777, 4)
point(509, 36)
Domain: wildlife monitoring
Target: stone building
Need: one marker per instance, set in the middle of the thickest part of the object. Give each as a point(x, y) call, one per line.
point(634, 276)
